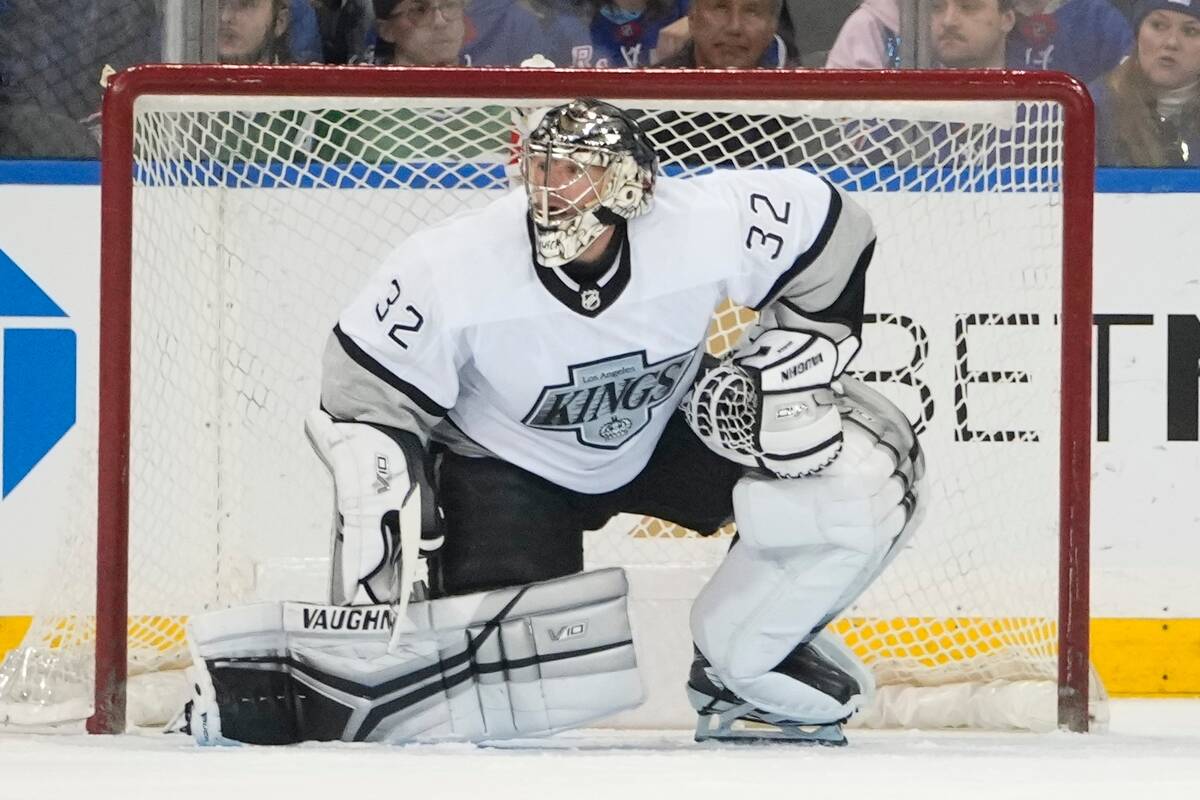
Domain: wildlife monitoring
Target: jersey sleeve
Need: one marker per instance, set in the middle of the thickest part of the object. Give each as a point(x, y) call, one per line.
point(392, 358)
point(805, 246)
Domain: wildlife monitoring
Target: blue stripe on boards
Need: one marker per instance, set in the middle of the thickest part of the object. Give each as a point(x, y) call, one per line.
point(436, 175)
point(33, 172)
point(426, 175)
point(319, 175)
point(1134, 180)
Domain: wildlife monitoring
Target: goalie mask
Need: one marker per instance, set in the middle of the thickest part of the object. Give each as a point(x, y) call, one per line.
point(586, 166)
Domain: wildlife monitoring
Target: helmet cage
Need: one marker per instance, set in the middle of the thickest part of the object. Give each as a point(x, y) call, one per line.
point(550, 203)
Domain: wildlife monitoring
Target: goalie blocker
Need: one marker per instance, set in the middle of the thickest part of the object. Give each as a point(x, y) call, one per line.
point(384, 515)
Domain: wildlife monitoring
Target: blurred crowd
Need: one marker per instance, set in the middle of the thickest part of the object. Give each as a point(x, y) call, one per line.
point(1139, 58)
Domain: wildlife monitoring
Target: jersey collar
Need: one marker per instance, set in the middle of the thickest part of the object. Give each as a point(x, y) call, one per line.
point(588, 298)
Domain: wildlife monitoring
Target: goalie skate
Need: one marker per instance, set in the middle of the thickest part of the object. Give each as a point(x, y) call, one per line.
point(725, 717)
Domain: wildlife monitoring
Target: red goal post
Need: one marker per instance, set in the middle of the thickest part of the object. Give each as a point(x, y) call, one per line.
point(1074, 180)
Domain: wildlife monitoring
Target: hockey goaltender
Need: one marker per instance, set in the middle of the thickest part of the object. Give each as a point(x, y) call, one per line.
point(519, 374)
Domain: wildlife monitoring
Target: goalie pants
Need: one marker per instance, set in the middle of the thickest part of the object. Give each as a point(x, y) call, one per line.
point(505, 526)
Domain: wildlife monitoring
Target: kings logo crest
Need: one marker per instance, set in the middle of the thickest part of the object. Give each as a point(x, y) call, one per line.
point(607, 402)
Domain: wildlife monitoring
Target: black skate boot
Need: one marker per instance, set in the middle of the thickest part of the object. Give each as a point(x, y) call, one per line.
point(725, 717)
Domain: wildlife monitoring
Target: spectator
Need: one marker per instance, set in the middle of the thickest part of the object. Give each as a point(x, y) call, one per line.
point(869, 39)
point(423, 33)
point(727, 33)
point(51, 57)
point(348, 31)
point(1148, 108)
point(625, 33)
point(971, 34)
point(963, 34)
point(498, 32)
point(416, 33)
point(1085, 38)
point(671, 39)
point(304, 35)
point(506, 32)
point(51, 53)
point(32, 132)
point(327, 13)
point(732, 34)
point(253, 31)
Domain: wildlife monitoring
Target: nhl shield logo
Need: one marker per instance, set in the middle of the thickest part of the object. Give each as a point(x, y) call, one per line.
point(589, 299)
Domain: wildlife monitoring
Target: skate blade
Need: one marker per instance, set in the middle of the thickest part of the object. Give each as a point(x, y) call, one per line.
point(746, 731)
point(726, 722)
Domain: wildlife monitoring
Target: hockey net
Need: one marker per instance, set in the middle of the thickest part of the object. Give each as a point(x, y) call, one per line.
point(243, 207)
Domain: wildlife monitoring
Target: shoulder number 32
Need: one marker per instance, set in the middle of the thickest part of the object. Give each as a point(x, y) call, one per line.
point(412, 325)
point(756, 237)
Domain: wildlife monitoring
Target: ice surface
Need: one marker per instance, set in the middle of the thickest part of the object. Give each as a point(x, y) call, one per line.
point(1151, 751)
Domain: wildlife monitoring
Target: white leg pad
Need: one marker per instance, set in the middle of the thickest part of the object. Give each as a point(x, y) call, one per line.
point(756, 609)
point(524, 661)
point(807, 548)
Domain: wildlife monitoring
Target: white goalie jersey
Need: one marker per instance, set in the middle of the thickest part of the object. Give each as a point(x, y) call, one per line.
point(575, 382)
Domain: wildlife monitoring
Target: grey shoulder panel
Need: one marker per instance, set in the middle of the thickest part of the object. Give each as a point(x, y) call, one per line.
point(819, 276)
point(354, 387)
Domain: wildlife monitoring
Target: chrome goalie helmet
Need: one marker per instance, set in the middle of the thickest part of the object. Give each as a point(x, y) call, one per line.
point(586, 165)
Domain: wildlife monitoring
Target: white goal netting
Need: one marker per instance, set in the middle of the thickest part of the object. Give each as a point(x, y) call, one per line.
point(256, 218)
